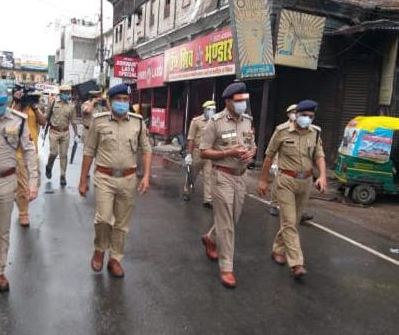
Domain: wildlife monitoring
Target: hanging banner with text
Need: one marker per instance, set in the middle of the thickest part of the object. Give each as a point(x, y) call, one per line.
point(125, 67)
point(299, 39)
point(158, 121)
point(204, 57)
point(253, 38)
point(150, 72)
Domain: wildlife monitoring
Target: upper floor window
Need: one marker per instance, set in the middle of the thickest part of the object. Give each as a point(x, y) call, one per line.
point(120, 32)
point(186, 3)
point(166, 9)
point(116, 34)
point(152, 13)
point(129, 21)
point(139, 14)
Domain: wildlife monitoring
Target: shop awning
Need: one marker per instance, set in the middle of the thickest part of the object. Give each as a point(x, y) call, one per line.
point(378, 25)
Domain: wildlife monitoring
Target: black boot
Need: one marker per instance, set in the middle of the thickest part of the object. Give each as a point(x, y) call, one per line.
point(63, 181)
point(49, 166)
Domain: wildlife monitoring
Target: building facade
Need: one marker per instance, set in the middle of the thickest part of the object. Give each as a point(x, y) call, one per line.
point(350, 79)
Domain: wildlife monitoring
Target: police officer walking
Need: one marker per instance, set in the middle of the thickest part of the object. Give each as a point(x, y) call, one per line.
point(60, 117)
point(228, 141)
point(13, 134)
point(113, 140)
point(299, 148)
point(90, 108)
point(193, 156)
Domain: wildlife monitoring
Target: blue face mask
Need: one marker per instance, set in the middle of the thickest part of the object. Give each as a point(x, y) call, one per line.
point(3, 104)
point(209, 112)
point(240, 107)
point(304, 121)
point(120, 108)
point(64, 97)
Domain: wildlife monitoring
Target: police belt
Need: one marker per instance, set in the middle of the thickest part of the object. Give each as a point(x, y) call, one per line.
point(297, 175)
point(116, 172)
point(231, 171)
point(7, 173)
point(59, 129)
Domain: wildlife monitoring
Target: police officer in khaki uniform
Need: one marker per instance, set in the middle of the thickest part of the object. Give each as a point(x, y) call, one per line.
point(193, 157)
point(299, 149)
point(113, 141)
point(63, 115)
point(13, 134)
point(90, 108)
point(228, 141)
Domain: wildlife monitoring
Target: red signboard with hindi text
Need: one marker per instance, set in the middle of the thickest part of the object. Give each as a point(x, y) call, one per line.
point(158, 121)
point(150, 72)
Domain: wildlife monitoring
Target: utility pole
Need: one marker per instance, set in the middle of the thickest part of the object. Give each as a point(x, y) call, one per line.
point(102, 51)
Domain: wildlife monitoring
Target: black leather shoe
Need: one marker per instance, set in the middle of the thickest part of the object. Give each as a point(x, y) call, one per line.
point(4, 284)
point(63, 181)
point(208, 205)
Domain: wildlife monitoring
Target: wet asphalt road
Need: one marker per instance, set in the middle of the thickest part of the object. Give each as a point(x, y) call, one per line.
point(171, 288)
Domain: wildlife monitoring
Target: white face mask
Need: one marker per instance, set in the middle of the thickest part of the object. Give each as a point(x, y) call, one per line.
point(304, 121)
point(240, 107)
point(292, 116)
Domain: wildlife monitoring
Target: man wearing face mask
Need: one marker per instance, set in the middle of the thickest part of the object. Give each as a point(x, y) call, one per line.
point(299, 148)
point(63, 115)
point(89, 108)
point(14, 134)
point(193, 156)
point(114, 140)
point(228, 141)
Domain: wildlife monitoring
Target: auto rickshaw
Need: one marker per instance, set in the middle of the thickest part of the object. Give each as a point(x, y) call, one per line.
point(365, 166)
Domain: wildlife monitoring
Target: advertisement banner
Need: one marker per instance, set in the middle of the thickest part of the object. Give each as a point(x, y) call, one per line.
point(125, 67)
point(36, 63)
point(158, 121)
point(299, 39)
point(6, 59)
point(207, 56)
point(151, 72)
point(253, 38)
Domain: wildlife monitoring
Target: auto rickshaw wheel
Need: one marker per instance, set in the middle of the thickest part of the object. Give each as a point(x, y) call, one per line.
point(364, 194)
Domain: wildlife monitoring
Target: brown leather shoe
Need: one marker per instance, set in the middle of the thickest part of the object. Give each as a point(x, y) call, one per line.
point(228, 279)
point(279, 258)
point(115, 268)
point(298, 271)
point(4, 284)
point(210, 248)
point(24, 221)
point(97, 261)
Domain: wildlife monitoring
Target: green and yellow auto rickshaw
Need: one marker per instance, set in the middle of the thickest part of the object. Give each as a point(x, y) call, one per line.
point(365, 166)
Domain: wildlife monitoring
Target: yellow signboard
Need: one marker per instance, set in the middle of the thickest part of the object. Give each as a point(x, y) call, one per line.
point(299, 39)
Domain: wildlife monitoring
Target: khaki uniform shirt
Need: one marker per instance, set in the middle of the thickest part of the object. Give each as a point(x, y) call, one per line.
point(297, 150)
point(196, 130)
point(114, 143)
point(223, 132)
point(87, 117)
point(64, 114)
point(10, 125)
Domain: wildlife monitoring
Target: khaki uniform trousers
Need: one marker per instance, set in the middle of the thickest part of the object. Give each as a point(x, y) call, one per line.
point(115, 198)
point(22, 195)
point(8, 187)
point(292, 195)
point(228, 194)
point(59, 145)
point(206, 166)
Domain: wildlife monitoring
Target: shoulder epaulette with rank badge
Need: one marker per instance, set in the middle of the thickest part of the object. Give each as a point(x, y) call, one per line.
point(20, 114)
point(317, 128)
point(217, 116)
point(97, 115)
point(283, 126)
point(137, 116)
point(247, 116)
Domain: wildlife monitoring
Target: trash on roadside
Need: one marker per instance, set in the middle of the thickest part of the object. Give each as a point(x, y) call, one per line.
point(394, 250)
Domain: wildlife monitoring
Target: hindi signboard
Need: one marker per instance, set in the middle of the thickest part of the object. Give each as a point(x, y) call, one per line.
point(299, 39)
point(125, 67)
point(253, 38)
point(151, 72)
point(204, 57)
point(158, 121)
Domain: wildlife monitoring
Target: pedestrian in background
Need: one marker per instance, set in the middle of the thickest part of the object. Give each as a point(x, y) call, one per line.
point(60, 117)
point(113, 140)
point(193, 156)
point(228, 141)
point(14, 134)
point(299, 148)
point(89, 109)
